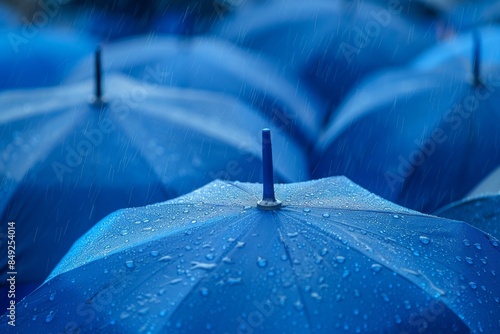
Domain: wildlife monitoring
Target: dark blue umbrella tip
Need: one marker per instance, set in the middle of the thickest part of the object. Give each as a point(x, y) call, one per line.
point(476, 66)
point(268, 201)
point(98, 100)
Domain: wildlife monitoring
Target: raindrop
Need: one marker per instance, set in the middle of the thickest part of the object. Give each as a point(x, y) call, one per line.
point(154, 253)
point(193, 221)
point(395, 216)
point(143, 311)
point(466, 242)
point(52, 296)
point(346, 273)
point(298, 305)
point(129, 264)
point(494, 242)
point(137, 222)
point(307, 210)
point(145, 220)
point(261, 262)
point(50, 316)
point(293, 235)
point(477, 245)
point(34, 318)
point(240, 244)
point(356, 311)
point(326, 215)
point(227, 260)
point(284, 257)
point(201, 265)
point(188, 248)
point(376, 267)
point(407, 304)
point(204, 291)
point(234, 280)
point(124, 232)
point(424, 240)
point(210, 256)
point(473, 285)
point(323, 251)
point(416, 253)
point(397, 319)
point(340, 259)
point(469, 260)
point(165, 258)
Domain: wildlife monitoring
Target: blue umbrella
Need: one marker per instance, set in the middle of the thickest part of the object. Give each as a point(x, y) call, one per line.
point(32, 57)
point(471, 14)
point(66, 163)
point(481, 207)
point(330, 257)
point(421, 139)
point(459, 48)
point(330, 45)
point(214, 65)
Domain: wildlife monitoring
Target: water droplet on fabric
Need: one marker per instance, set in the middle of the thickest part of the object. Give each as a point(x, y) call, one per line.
point(204, 291)
point(424, 240)
point(261, 262)
point(50, 316)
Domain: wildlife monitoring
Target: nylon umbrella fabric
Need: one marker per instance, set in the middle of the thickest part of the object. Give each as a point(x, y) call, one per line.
point(481, 207)
point(460, 48)
point(214, 65)
point(428, 137)
point(30, 57)
point(211, 261)
point(330, 45)
point(67, 163)
point(473, 14)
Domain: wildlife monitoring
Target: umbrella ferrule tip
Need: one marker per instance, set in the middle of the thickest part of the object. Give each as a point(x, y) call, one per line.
point(268, 205)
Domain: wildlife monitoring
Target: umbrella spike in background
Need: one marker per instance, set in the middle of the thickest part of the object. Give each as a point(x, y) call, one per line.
point(476, 65)
point(98, 76)
point(268, 201)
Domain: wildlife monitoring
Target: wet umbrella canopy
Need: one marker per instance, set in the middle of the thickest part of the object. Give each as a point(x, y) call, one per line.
point(328, 44)
point(33, 58)
point(330, 257)
point(420, 138)
point(214, 65)
point(66, 163)
point(481, 207)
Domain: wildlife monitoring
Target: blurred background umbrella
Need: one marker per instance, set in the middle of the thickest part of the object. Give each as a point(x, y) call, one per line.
point(30, 57)
point(422, 139)
point(460, 47)
point(329, 45)
point(331, 248)
point(481, 207)
point(214, 65)
point(472, 14)
point(66, 163)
